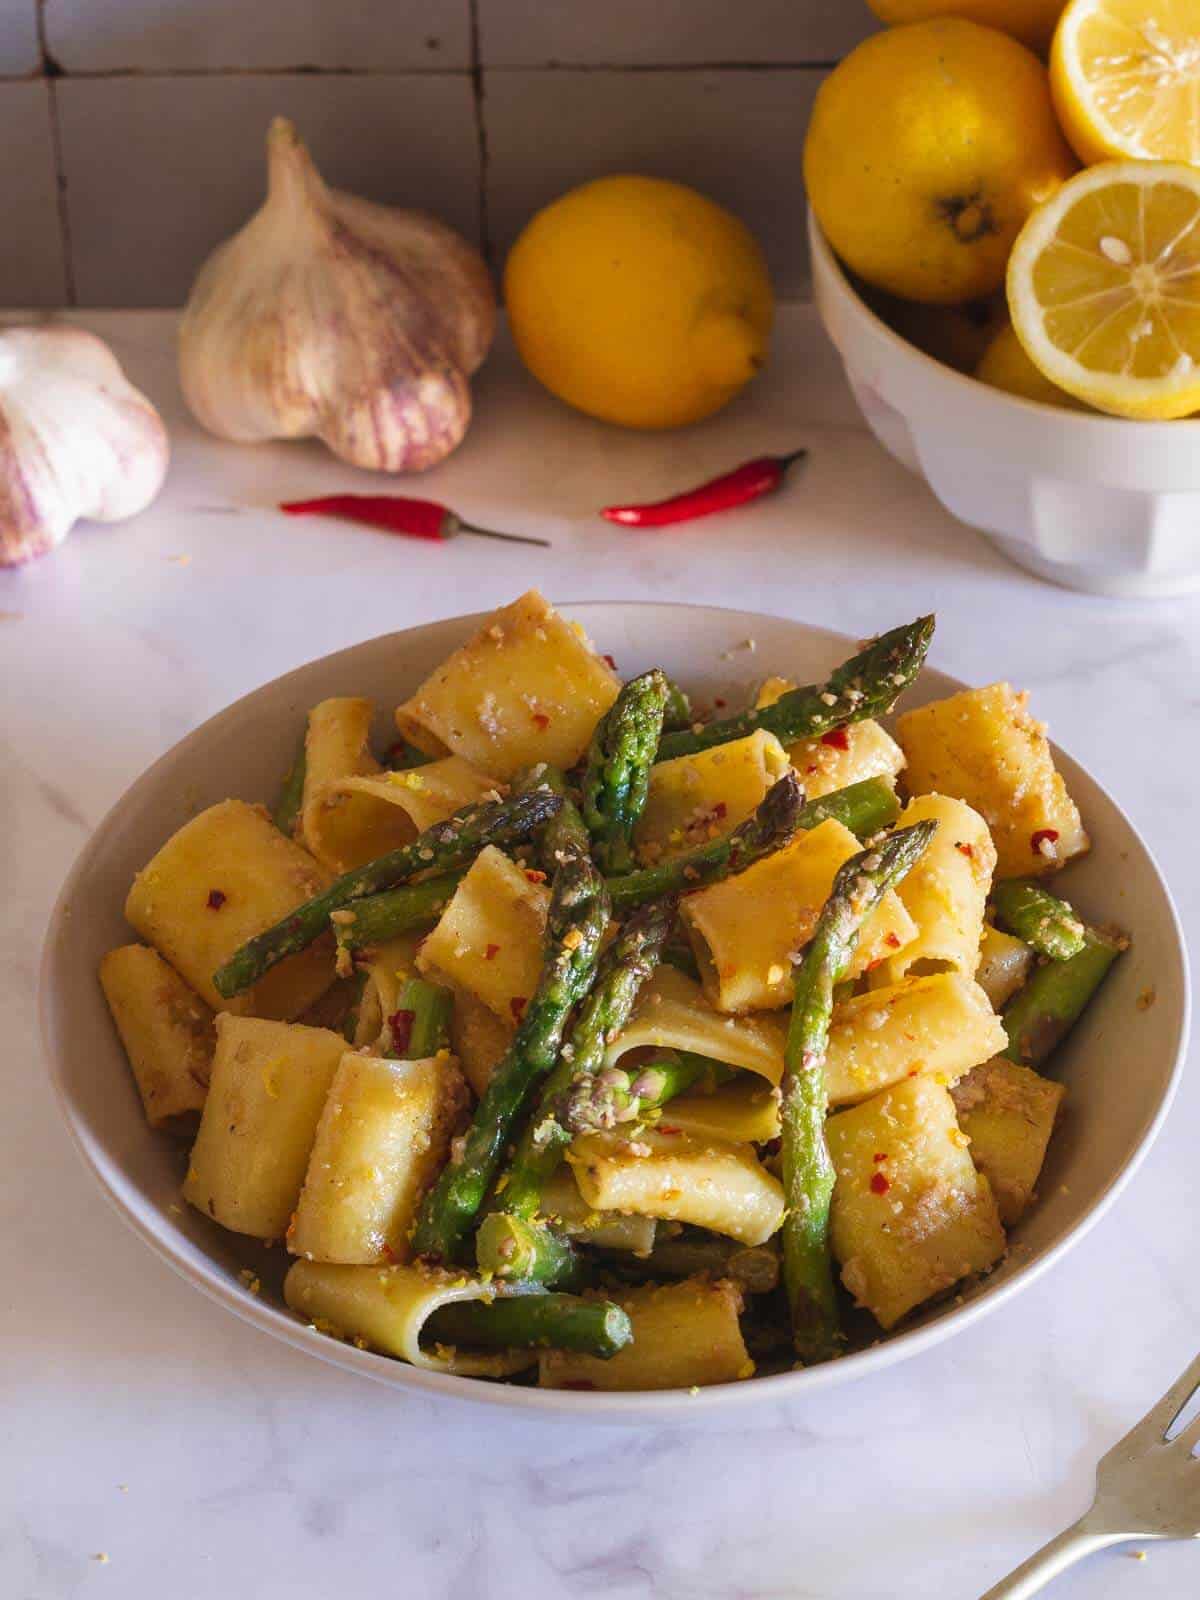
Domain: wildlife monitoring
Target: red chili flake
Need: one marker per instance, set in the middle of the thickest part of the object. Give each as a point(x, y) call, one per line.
point(608, 661)
point(879, 1184)
point(892, 941)
point(534, 876)
point(216, 899)
point(662, 1128)
point(837, 739)
point(720, 702)
point(492, 951)
point(965, 849)
point(388, 1254)
point(540, 719)
point(880, 1155)
point(517, 1006)
point(1048, 834)
point(401, 1025)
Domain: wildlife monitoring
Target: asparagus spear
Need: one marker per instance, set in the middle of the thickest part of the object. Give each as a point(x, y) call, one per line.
point(1046, 923)
point(768, 830)
point(1041, 1014)
point(534, 1322)
point(863, 807)
point(808, 1175)
point(420, 1025)
point(445, 845)
point(578, 915)
point(677, 713)
point(617, 774)
point(867, 685)
point(630, 960)
point(614, 1096)
point(383, 916)
point(527, 1251)
point(754, 1268)
point(565, 834)
point(287, 807)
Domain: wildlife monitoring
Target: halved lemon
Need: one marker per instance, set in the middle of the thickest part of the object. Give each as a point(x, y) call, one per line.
point(1125, 76)
point(1104, 288)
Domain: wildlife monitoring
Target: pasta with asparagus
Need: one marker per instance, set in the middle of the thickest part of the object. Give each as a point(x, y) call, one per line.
point(584, 1038)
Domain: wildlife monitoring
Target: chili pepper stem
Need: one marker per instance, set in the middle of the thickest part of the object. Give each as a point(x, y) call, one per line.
point(790, 460)
point(511, 538)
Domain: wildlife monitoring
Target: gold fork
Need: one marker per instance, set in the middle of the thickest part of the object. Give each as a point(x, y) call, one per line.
point(1147, 1487)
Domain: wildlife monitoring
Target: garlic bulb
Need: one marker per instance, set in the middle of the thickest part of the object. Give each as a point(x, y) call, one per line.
point(332, 317)
point(76, 439)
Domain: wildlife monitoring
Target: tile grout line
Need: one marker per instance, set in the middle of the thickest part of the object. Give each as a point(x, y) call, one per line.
point(51, 72)
point(477, 95)
point(475, 69)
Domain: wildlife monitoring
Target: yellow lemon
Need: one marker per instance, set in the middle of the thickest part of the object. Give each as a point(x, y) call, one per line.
point(1125, 75)
point(639, 301)
point(1006, 366)
point(928, 147)
point(957, 336)
point(1031, 21)
point(1104, 288)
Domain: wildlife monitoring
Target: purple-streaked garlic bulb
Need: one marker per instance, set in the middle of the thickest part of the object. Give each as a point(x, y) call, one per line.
point(328, 316)
point(76, 439)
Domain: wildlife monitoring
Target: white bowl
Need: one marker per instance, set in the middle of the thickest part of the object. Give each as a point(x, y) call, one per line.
point(1120, 1065)
point(1090, 502)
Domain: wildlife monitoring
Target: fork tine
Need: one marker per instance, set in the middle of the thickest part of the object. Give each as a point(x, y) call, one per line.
point(1188, 1438)
point(1153, 1426)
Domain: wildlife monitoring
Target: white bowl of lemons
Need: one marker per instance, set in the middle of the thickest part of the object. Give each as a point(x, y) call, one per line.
point(1023, 333)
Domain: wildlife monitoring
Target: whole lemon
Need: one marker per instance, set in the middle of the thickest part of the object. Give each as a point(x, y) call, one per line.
point(1031, 21)
point(1006, 366)
point(928, 147)
point(639, 301)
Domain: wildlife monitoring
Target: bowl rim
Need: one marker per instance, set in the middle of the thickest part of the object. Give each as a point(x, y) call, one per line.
point(619, 1407)
point(1097, 423)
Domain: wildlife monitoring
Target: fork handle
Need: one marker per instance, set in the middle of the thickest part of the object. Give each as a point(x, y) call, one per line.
point(1063, 1551)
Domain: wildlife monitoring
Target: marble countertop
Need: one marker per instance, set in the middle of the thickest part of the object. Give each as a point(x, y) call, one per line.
point(153, 1444)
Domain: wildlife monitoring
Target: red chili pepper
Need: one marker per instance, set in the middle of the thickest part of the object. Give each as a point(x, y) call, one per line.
point(396, 513)
point(1043, 836)
point(492, 951)
point(836, 739)
point(401, 1025)
point(517, 1006)
point(748, 482)
point(879, 1184)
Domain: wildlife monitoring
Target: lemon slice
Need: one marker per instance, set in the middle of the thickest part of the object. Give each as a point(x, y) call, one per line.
point(1125, 76)
point(1104, 288)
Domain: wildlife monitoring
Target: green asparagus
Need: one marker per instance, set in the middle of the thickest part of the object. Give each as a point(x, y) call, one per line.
point(525, 1250)
point(615, 1096)
point(1046, 923)
point(865, 807)
point(420, 1025)
point(754, 1268)
point(677, 713)
point(1041, 1014)
point(630, 960)
point(534, 1322)
point(769, 829)
point(867, 685)
point(384, 916)
point(617, 774)
point(808, 1175)
point(578, 916)
point(445, 845)
point(565, 834)
point(287, 807)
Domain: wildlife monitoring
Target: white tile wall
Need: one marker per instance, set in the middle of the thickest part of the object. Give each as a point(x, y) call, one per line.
point(19, 52)
point(147, 117)
point(736, 135)
point(208, 35)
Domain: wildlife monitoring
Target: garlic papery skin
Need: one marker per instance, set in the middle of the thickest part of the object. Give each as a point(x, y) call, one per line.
point(331, 317)
point(76, 439)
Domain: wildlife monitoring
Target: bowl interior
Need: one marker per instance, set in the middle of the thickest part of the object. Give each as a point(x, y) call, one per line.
point(1119, 1064)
